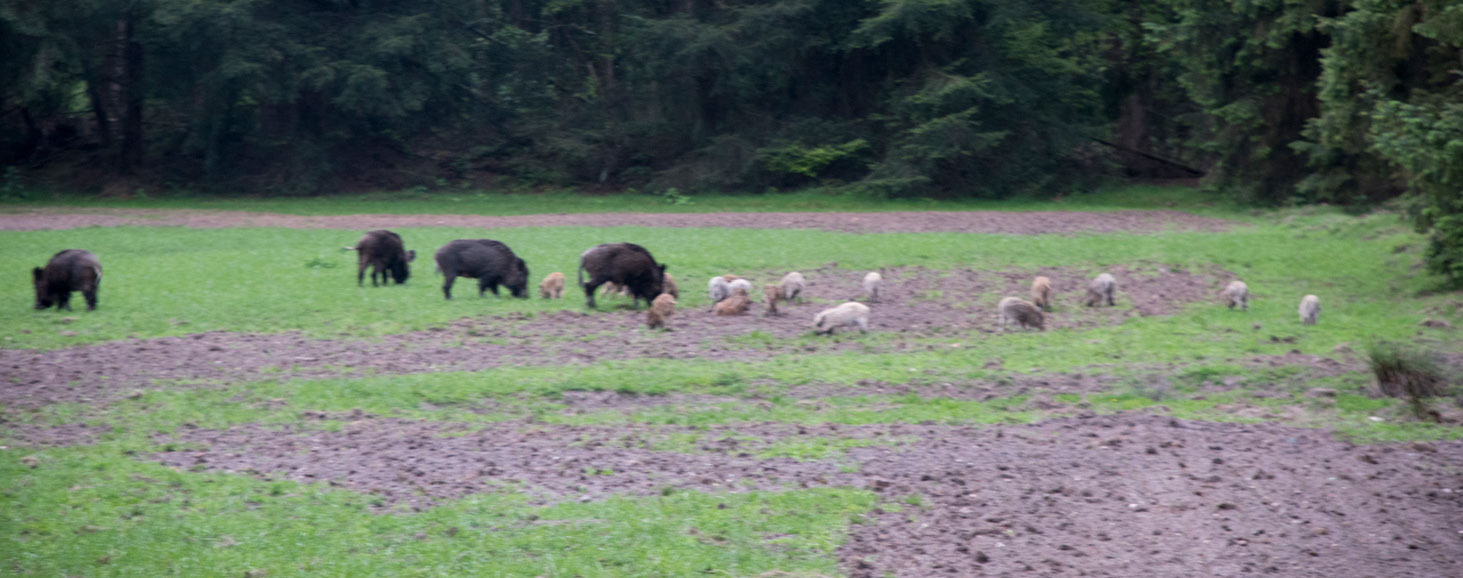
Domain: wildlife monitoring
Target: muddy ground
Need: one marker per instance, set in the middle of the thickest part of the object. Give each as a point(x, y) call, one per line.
point(1032, 223)
point(1117, 495)
point(920, 309)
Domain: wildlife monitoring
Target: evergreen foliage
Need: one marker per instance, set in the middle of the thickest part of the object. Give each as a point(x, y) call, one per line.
point(1278, 101)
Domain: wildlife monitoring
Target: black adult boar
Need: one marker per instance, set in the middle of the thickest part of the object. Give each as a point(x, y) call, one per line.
point(384, 253)
point(67, 271)
point(490, 262)
point(626, 264)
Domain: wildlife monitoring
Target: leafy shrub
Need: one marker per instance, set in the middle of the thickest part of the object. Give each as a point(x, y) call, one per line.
point(797, 164)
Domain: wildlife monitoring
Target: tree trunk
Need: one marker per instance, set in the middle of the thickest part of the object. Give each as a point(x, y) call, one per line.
point(133, 92)
point(94, 86)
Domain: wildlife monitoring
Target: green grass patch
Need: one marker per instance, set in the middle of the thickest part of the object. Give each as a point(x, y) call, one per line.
point(173, 281)
point(89, 512)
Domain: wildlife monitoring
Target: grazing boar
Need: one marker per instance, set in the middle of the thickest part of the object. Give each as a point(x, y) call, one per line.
point(1310, 309)
point(660, 310)
point(736, 304)
point(792, 286)
point(1041, 293)
point(1021, 312)
point(849, 314)
point(668, 286)
point(625, 264)
point(67, 271)
point(740, 284)
point(872, 282)
point(1101, 290)
point(383, 252)
point(717, 289)
point(552, 287)
point(1237, 293)
point(772, 294)
point(490, 262)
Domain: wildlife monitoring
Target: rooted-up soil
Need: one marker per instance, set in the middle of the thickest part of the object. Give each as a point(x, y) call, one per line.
point(1010, 223)
point(1121, 495)
point(917, 304)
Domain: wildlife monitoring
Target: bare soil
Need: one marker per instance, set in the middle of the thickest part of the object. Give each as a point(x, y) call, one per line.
point(917, 306)
point(1013, 223)
point(1118, 495)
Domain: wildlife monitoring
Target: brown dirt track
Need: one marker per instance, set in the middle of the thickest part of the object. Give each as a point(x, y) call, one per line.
point(1123, 495)
point(1032, 223)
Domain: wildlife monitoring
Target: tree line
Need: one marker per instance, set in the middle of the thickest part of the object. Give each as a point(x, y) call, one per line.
point(1273, 101)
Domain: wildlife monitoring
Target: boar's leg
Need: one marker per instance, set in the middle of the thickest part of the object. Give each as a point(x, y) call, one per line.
point(448, 278)
point(91, 299)
point(589, 290)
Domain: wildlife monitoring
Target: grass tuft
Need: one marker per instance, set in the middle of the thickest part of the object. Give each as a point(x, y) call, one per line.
point(1408, 373)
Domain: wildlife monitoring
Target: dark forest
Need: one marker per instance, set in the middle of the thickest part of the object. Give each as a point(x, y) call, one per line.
point(1350, 102)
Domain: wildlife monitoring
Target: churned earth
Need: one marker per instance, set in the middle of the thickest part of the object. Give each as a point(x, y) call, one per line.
point(1088, 495)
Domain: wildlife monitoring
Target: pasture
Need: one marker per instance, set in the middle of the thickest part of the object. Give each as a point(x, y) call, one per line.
point(238, 406)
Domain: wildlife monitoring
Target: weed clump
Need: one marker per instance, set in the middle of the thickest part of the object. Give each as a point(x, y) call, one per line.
point(1407, 373)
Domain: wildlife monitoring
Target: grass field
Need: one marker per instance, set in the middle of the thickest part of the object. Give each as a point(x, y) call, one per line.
point(182, 475)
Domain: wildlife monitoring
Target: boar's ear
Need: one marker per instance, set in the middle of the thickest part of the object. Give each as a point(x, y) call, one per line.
point(663, 268)
point(37, 273)
point(411, 255)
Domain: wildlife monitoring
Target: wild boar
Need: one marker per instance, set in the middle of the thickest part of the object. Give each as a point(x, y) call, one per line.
point(849, 314)
point(1021, 312)
point(717, 289)
point(612, 289)
point(772, 294)
point(67, 271)
point(736, 304)
point(1236, 294)
point(490, 262)
point(740, 284)
point(625, 264)
point(384, 252)
point(872, 283)
point(552, 287)
point(1310, 309)
point(1041, 293)
point(792, 286)
point(660, 310)
point(668, 286)
point(1101, 290)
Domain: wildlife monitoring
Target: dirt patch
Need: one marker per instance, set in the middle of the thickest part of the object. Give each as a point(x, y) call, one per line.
point(54, 436)
point(999, 222)
point(1120, 495)
point(1134, 495)
point(917, 304)
point(417, 464)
